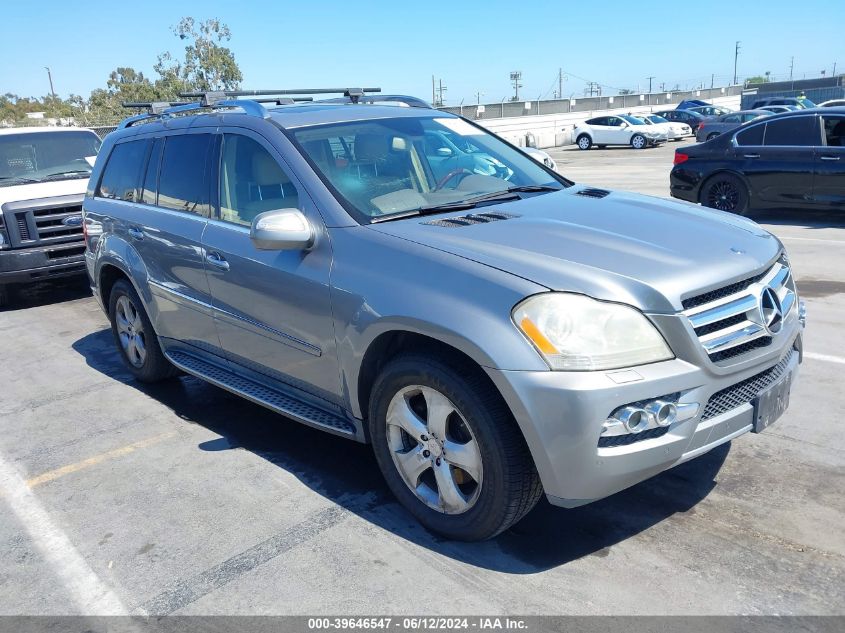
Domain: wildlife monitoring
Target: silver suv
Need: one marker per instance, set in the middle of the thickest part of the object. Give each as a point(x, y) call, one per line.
point(496, 331)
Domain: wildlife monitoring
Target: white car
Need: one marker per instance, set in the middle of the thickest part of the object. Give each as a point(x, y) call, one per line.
point(540, 156)
point(674, 129)
point(620, 129)
point(832, 103)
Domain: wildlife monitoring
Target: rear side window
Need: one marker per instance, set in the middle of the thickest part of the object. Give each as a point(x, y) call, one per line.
point(793, 131)
point(834, 130)
point(751, 136)
point(599, 120)
point(148, 195)
point(183, 179)
point(122, 175)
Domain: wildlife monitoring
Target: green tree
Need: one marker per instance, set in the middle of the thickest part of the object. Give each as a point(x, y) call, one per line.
point(208, 65)
point(756, 79)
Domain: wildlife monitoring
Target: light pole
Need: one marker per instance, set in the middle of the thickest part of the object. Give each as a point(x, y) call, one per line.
point(50, 77)
point(736, 56)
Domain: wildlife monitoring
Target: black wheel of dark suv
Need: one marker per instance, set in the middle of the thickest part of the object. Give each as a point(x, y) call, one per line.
point(135, 337)
point(725, 192)
point(449, 448)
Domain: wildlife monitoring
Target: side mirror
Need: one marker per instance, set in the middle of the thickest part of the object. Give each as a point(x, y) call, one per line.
point(281, 230)
point(624, 124)
point(444, 151)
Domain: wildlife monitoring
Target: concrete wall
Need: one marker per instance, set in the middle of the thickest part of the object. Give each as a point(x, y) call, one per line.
point(551, 130)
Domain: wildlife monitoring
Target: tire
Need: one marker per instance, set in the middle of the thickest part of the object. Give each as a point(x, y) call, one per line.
point(135, 337)
point(638, 141)
point(500, 484)
point(4, 296)
point(584, 142)
point(712, 135)
point(725, 192)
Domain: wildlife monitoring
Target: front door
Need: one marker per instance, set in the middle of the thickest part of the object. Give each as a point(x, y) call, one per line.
point(829, 177)
point(272, 308)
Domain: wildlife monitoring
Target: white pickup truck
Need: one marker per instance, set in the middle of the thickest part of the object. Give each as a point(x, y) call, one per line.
point(43, 176)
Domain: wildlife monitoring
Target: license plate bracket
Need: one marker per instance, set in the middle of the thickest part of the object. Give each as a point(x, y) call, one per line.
point(769, 405)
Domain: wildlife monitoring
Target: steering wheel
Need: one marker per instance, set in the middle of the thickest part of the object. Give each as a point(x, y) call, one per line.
point(455, 172)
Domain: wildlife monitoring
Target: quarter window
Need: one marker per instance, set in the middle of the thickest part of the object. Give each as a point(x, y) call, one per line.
point(751, 136)
point(183, 181)
point(122, 174)
point(793, 131)
point(251, 181)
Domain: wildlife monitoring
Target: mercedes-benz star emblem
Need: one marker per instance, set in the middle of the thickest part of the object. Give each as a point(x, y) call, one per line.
point(771, 310)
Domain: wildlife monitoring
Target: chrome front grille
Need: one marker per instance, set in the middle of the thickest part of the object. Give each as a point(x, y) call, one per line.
point(51, 227)
point(744, 316)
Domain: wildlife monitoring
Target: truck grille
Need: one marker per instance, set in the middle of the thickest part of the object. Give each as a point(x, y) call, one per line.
point(730, 321)
point(745, 391)
point(50, 227)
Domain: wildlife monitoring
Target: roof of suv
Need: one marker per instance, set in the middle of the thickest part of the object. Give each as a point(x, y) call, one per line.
point(293, 116)
point(41, 128)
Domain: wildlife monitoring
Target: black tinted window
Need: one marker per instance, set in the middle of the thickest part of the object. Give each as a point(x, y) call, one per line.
point(122, 174)
point(599, 120)
point(834, 130)
point(148, 195)
point(801, 130)
point(751, 136)
point(183, 180)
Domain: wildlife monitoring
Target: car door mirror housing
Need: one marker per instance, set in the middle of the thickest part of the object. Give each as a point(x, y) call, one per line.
point(282, 230)
point(444, 151)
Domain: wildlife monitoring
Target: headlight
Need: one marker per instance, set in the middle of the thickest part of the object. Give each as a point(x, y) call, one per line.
point(576, 333)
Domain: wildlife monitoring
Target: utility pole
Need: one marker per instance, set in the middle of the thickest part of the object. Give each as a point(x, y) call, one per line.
point(663, 86)
point(834, 69)
point(791, 66)
point(649, 82)
point(440, 90)
point(50, 77)
point(433, 98)
point(478, 96)
point(736, 56)
point(712, 80)
point(516, 77)
point(560, 83)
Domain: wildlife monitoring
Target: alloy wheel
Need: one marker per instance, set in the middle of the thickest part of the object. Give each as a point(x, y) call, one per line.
point(434, 449)
point(130, 331)
point(723, 195)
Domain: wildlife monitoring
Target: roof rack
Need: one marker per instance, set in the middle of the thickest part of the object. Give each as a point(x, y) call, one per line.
point(400, 100)
point(353, 93)
point(209, 100)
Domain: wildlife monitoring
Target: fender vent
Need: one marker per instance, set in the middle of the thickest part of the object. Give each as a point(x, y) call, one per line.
point(472, 218)
point(591, 192)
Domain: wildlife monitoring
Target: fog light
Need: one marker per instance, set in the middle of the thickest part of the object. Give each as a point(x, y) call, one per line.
point(633, 419)
point(662, 413)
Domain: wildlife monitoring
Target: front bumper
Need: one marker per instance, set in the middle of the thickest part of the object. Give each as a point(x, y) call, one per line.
point(561, 415)
point(27, 265)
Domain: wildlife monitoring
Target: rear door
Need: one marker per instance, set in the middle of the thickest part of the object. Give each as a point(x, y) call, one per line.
point(829, 176)
point(272, 308)
point(779, 167)
point(600, 130)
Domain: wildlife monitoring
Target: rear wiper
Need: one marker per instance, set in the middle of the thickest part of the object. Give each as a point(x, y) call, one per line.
point(469, 203)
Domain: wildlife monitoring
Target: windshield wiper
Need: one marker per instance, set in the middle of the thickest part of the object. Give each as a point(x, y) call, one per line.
point(529, 188)
point(461, 205)
point(69, 172)
point(19, 178)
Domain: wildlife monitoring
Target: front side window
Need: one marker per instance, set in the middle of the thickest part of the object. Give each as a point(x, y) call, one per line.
point(733, 118)
point(390, 166)
point(122, 175)
point(793, 131)
point(834, 130)
point(251, 181)
point(183, 179)
point(47, 155)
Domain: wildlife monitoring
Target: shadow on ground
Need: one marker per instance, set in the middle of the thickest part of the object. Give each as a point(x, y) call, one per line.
point(346, 473)
point(47, 293)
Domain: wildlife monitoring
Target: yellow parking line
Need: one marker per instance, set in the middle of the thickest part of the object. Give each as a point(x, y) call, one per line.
point(51, 475)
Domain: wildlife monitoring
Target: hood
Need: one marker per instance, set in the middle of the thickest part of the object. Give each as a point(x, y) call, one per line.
point(644, 251)
point(38, 190)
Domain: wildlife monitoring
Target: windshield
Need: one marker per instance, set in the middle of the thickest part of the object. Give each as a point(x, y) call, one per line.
point(657, 119)
point(384, 167)
point(35, 156)
point(633, 120)
point(804, 101)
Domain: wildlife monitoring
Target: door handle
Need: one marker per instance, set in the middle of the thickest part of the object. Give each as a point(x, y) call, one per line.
point(136, 233)
point(217, 260)
point(829, 157)
point(752, 155)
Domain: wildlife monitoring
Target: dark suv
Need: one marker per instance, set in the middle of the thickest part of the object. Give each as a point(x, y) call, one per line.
point(693, 119)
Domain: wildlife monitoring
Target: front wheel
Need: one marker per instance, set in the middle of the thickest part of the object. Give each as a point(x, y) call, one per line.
point(584, 142)
point(725, 192)
point(449, 448)
point(638, 141)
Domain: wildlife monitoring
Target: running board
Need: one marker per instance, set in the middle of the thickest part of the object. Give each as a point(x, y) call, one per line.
point(265, 396)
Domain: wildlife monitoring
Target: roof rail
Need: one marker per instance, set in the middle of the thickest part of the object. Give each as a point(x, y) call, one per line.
point(352, 93)
point(400, 100)
point(210, 100)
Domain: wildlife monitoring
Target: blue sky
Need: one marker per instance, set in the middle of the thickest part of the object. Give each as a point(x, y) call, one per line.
point(400, 45)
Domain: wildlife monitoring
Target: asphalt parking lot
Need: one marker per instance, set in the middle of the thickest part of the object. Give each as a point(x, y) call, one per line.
point(178, 498)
